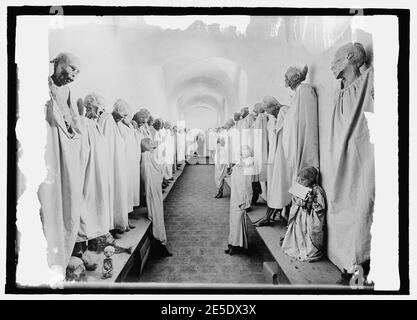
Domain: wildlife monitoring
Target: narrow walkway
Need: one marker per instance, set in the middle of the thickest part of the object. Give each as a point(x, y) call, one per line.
point(197, 230)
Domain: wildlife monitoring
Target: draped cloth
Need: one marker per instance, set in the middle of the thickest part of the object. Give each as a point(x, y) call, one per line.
point(151, 130)
point(234, 133)
point(175, 149)
point(127, 131)
point(144, 132)
point(169, 153)
point(221, 160)
point(159, 151)
point(240, 200)
point(95, 218)
point(304, 237)
point(151, 178)
point(60, 194)
point(124, 133)
point(351, 191)
point(300, 137)
point(246, 132)
point(180, 146)
point(191, 142)
point(272, 144)
point(118, 178)
point(260, 146)
point(136, 161)
point(138, 138)
point(212, 140)
point(280, 176)
point(201, 144)
point(220, 172)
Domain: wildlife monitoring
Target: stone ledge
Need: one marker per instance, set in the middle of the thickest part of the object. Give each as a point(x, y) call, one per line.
point(322, 272)
point(138, 239)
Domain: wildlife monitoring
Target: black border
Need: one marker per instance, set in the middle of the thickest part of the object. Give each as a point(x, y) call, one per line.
point(403, 16)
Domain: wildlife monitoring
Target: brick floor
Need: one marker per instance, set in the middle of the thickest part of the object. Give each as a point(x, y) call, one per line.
point(197, 230)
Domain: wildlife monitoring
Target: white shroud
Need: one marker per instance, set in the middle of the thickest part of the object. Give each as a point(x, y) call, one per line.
point(60, 195)
point(151, 178)
point(280, 176)
point(180, 146)
point(128, 134)
point(240, 200)
point(117, 172)
point(260, 146)
point(160, 147)
point(300, 138)
point(212, 140)
point(234, 133)
point(221, 159)
point(95, 219)
point(272, 145)
point(246, 133)
point(169, 153)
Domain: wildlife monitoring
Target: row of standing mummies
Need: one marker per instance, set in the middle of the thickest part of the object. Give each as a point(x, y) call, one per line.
point(74, 161)
point(285, 149)
point(267, 162)
point(97, 168)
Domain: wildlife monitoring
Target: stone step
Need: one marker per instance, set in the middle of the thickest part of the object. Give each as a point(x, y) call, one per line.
point(138, 239)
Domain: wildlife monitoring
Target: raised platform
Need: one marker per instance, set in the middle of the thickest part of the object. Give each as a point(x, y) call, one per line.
point(136, 238)
point(290, 270)
point(129, 266)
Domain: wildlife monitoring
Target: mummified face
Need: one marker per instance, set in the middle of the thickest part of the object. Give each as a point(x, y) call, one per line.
point(146, 145)
point(246, 152)
point(91, 111)
point(157, 124)
point(150, 121)
point(108, 251)
point(305, 182)
point(292, 78)
point(244, 112)
point(142, 120)
point(66, 72)
point(339, 63)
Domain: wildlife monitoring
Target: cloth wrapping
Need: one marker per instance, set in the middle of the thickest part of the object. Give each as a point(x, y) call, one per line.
point(221, 158)
point(169, 153)
point(180, 146)
point(351, 186)
point(118, 179)
point(246, 132)
point(240, 200)
point(60, 194)
point(280, 176)
point(95, 219)
point(260, 146)
point(191, 142)
point(201, 143)
point(151, 130)
point(234, 133)
point(132, 163)
point(212, 140)
point(151, 178)
point(159, 151)
point(139, 135)
point(272, 144)
point(304, 237)
point(144, 131)
point(175, 149)
point(300, 138)
point(136, 161)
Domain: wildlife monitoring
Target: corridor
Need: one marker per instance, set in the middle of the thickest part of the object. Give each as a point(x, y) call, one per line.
point(197, 228)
